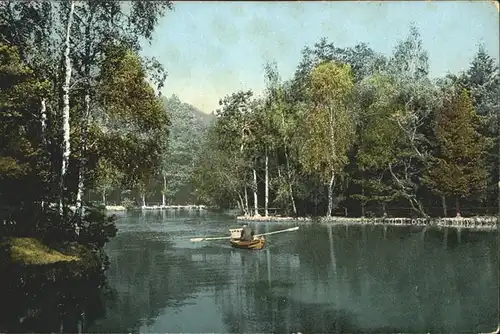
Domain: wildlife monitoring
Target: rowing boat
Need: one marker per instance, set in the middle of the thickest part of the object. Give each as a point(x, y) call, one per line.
point(257, 243)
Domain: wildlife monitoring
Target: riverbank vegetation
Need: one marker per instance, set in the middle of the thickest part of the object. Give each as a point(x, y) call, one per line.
point(358, 133)
point(79, 105)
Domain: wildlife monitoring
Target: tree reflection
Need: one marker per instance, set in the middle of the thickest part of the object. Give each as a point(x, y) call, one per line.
point(148, 274)
point(316, 280)
point(55, 298)
point(365, 282)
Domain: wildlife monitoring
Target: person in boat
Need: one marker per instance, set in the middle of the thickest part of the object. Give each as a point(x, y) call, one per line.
point(246, 233)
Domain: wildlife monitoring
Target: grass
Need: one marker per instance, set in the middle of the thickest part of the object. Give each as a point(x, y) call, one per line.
point(33, 252)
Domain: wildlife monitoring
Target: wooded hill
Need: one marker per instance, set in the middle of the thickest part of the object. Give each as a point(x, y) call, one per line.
point(171, 183)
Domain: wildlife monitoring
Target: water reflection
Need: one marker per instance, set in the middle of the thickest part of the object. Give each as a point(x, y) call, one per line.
point(322, 278)
point(55, 299)
point(319, 279)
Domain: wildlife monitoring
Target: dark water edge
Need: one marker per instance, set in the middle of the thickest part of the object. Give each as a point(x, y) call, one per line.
point(322, 278)
point(52, 298)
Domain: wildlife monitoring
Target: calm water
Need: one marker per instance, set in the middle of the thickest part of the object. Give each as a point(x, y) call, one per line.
point(318, 279)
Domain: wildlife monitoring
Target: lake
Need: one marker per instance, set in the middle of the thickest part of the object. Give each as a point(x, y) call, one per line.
point(318, 279)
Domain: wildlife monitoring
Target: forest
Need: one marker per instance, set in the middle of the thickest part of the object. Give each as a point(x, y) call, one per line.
point(357, 133)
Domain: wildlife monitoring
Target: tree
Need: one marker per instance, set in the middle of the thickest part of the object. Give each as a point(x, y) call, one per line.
point(482, 79)
point(459, 168)
point(329, 128)
point(218, 174)
point(184, 144)
point(281, 120)
point(22, 162)
point(418, 97)
point(104, 23)
point(235, 133)
point(108, 177)
point(133, 123)
point(378, 139)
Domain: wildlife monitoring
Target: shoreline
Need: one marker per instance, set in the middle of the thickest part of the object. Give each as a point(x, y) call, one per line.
point(157, 207)
point(477, 222)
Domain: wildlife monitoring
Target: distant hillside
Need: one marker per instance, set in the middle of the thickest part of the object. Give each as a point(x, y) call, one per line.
point(174, 106)
point(188, 126)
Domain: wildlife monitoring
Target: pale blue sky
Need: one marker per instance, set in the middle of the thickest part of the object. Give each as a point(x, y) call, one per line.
point(211, 49)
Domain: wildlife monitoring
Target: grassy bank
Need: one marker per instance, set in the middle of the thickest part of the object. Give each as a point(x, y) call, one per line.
point(30, 251)
point(33, 252)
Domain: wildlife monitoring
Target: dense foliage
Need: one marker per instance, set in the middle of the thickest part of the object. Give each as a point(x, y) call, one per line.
point(357, 133)
point(77, 112)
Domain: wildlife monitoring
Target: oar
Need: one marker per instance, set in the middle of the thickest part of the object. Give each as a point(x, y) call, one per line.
point(257, 235)
point(280, 231)
point(208, 238)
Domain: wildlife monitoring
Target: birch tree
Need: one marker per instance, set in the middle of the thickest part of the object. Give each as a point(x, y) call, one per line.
point(282, 120)
point(102, 23)
point(329, 128)
point(65, 110)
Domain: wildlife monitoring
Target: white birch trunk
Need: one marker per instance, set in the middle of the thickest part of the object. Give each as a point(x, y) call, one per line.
point(143, 197)
point(104, 197)
point(164, 192)
point(330, 196)
point(289, 181)
point(241, 205)
point(255, 199)
point(65, 89)
point(83, 160)
point(266, 199)
point(246, 201)
point(43, 116)
point(333, 153)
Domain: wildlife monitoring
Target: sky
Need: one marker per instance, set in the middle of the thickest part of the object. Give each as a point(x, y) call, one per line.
point(212, 49)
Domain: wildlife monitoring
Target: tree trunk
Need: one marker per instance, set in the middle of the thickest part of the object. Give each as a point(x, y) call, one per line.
point(246, 201)
point(384, 209)
point(43, 116)
point(363, 203)
point(82, 172)
point(289, 179)
point(330, 195)
point(104, 197)
point(445, 209)
point(238, 202)
point(164, 191)
point(241, 205)
point(143, 197)
point(457, 207)
point(65, 89)
point(266, 199)
point(255, 199)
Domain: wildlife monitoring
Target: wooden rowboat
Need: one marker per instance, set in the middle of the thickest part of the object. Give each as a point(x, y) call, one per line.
point(257, 243)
